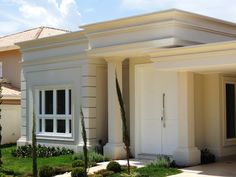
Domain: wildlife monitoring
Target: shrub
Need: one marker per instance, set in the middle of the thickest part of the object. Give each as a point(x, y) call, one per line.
point(207, 157)
point(162, 161)
point(104, 173)
point(78, 163)
point(46, 171)
point(114, 166)
point(2, 175)
point(42, 151)
point(61, 170)
point(78, 172)
point(7, 171)
point(93, 157)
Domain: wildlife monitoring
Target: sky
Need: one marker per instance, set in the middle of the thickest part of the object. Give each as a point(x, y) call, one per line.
point(20, 15)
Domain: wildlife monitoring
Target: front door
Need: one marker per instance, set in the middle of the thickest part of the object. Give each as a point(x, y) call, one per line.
point(158, 112)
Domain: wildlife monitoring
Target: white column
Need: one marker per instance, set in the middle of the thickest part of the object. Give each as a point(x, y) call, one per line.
point(186, 154)
point(114, 148)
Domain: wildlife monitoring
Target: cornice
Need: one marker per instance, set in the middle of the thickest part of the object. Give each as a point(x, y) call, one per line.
point(197, 49)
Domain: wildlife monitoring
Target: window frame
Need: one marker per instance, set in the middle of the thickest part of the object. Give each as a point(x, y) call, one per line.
point(67, 117)
point(227, 141)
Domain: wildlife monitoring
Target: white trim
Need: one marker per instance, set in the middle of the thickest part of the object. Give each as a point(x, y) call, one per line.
point(54, 116)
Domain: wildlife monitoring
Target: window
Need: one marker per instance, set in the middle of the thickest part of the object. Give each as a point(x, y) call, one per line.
point(230, 110)
point(54, 112)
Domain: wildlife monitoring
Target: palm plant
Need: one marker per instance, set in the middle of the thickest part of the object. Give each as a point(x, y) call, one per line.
point(1, 82)
point(126, 138)
point(84, 136)
point(34, 148)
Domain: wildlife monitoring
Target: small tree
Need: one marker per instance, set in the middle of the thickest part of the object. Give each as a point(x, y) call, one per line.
point(1, 82)
point(84, 136)
point(34, 148)
point(126, 139)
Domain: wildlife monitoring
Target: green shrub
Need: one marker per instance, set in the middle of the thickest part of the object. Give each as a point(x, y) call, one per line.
point(7, 171)
point(46, 171)
point(78, 172)
point(104, 172)
point(92, 164)
point(78, 163)
point(93, 157)
point(161, 161)
point(42, 151)
point(2, 175)
point(114, 166)
point(61, 170)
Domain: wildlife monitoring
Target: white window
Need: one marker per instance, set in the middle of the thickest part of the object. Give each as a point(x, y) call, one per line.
point(54, 112)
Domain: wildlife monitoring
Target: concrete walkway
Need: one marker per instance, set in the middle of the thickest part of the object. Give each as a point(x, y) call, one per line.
point(219, 169)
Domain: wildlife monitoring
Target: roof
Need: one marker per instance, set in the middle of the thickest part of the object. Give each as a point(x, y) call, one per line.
point(150, 18)
point(8, 42)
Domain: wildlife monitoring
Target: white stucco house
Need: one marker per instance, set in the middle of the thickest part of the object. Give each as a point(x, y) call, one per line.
point(178, 75)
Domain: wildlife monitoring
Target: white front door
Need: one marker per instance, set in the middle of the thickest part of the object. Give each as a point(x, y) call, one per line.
point(157, 135)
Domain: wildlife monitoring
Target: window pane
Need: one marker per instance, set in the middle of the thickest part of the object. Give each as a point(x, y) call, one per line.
point(230, 110)
point(40, 125)
point(70, 101)
point(69, 126)
point(48, 125)
point(61, 126)
point(49, 102)
point(61, 102)
point(40, 102)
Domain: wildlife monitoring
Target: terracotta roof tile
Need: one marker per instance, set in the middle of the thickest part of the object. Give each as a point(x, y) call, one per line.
point(30, 34)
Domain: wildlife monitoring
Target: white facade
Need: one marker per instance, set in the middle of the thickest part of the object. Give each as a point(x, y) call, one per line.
point(172, 86)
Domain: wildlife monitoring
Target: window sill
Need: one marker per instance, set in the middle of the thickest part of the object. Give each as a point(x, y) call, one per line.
point(230, 142)
point(55, 136)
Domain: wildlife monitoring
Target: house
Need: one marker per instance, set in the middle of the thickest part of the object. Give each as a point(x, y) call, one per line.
point(177, 71)
point(10, 71)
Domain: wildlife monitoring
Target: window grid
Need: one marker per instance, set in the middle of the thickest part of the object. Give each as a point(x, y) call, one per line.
point(42, 116)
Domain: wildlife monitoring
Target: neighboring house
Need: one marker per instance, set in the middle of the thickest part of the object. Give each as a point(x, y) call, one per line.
point(178, 72)
point(10, 70)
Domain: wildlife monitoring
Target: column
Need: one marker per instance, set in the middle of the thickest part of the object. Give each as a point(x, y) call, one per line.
point(114, 148)
point(186, 154)
point(23, 139)
point(88, 102)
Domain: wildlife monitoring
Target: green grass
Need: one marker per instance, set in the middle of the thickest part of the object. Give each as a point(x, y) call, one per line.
point(151, 171)
point(23, 166)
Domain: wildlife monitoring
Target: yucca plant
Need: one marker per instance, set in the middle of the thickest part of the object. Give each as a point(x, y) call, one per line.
point(84, 136)
point(34, 148)
point(1, 82)
point(126, 138)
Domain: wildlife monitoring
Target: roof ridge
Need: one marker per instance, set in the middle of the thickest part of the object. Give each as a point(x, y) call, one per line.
point(39, 32)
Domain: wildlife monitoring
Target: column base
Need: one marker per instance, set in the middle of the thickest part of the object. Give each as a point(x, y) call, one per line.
point(22, 141)
point(187, 156)
point(115, 151)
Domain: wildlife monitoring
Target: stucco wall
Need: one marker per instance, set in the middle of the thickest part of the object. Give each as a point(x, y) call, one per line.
point(11, 66)
point(10, 121)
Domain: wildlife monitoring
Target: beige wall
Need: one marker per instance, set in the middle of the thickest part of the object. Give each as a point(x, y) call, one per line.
point(11, 66)
point(10, 121)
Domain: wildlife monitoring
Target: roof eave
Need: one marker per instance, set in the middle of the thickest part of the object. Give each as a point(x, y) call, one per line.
point(8, 48)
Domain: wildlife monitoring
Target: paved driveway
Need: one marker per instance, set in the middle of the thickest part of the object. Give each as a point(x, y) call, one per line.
point(219, 169)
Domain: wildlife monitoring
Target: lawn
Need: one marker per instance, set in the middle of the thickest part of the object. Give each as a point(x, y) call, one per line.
point(23, 166)
point(148, 171)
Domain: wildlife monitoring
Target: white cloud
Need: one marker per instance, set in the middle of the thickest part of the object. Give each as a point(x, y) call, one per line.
point(53, 13)
point(215, 8)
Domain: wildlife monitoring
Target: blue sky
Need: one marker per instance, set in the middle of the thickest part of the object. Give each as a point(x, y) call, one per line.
point(19, 15)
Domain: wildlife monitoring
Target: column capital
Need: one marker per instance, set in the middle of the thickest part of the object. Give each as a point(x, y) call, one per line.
point(114, 59)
